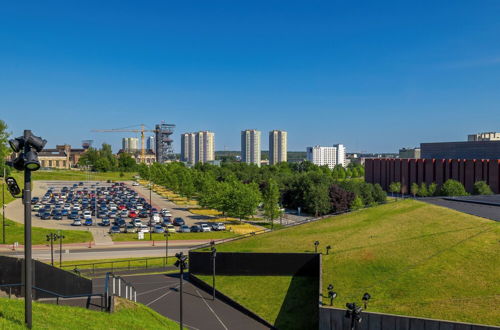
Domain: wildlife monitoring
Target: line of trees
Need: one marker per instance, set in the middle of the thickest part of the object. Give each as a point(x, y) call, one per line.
point(103, 160)
point(449, 188)
point(238, 189)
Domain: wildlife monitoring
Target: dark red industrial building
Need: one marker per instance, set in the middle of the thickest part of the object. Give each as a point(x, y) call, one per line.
point(408, 171)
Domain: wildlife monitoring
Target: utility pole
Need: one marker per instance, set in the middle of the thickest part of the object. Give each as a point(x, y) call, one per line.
point(166, 245)
point(28, 263)
point(182, 264)
point(214, 254)
point(51, 237)
point(61, 237)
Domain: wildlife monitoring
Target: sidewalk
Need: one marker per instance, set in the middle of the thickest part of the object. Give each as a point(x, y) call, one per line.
point(116, 245)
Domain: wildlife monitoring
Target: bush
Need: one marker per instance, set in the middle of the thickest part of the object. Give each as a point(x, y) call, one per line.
point(379, 195)
point(433, 189)
point(414, 189)
point(422, 190)
point(357, 204)
point(482, 188)
point(341, 199)
point(453, 188)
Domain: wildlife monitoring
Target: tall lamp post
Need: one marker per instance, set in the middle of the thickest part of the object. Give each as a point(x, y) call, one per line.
point(3, 206)
point(181, 263)
point(213, 254)
point(166, 234)
point(51, 238)
point(28, 147)
point(61, 237)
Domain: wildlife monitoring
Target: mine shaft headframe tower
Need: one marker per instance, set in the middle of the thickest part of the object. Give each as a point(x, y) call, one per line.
point(164, 143)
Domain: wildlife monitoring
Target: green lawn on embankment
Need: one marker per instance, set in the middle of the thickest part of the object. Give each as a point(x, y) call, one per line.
point(128, 315)
point(413, 258)
point(122, 237)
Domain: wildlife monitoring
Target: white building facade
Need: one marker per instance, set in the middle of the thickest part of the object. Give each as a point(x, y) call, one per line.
point(198, 147)
point(250, 146)
point(277, 147)
point(330, 156)
point(130, 144)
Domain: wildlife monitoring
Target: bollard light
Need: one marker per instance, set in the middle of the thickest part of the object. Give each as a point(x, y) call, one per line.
point(316, 243)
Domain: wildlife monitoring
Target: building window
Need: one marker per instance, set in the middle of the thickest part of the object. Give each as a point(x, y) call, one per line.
point(50, 163)
point(57, 163)
point(64, 163)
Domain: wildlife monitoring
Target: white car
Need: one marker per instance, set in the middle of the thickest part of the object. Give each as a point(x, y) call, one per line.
point(156, 218)
point(218, 226)
point(87, 215)
point(143, 229)
point(137, 223)
point(135, 184)
point(204, 227)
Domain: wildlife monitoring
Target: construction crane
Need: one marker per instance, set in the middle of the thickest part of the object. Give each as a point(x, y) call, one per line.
point(141, 130)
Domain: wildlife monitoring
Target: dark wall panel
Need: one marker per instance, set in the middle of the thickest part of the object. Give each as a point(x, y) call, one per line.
point(405, 176)
point(376, 171)
point(461, 171)
point(412, 172)
point(469, 176)
point(439, 169)
point(455, 170)
point(369, 170)
point(429, 171)
point(397, 170)
point(478, 171)
point(493, 176)
point(420, 171)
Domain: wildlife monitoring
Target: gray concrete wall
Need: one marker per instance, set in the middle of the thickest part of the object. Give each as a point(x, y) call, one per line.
point(334, 319)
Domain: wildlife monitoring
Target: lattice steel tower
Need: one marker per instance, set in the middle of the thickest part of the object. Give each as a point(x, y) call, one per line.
point(164, 143)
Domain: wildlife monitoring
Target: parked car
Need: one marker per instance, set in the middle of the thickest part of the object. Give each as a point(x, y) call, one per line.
point(143, 229)
point(170, 228)
point(105, 222)
point(156, 217)
point(159, 229)
point(143, 214)
point(136, 223)
point(205, 227)
point(184, 229)
point(218, 226)
point(36, 207)
point(114, 230)
point(195, 229)
point(57, 215)
point(88, 222)
point(132, 214)
point(179, 222)
point(135, 184)
point(77, 222)
point(45, 216)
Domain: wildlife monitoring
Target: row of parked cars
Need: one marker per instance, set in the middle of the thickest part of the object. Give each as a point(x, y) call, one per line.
point(117, 206)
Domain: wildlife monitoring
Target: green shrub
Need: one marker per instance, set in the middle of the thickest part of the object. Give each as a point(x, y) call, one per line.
point(414, 189)
point(422, 190)
point(433, 189)
point(453, 188)
point(482, 188)
point(357, 203)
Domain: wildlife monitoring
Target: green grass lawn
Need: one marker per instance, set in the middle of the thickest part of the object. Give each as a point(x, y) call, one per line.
point(128, 315)
point(413, 258)
point(296, 297)
point(76, 175)
point(173, 236)
point(14, 232)
point(117, 263)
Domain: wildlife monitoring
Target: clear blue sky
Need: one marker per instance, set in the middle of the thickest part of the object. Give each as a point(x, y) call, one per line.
point(375, 75)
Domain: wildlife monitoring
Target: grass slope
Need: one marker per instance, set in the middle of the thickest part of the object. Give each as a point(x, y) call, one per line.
point(296, 297)
point(413, 258)
point(128, 316)
point(122, 237)
point(69, 175)
point(14, 232)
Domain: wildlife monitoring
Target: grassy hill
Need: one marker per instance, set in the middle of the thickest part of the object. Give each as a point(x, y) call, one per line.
point(413, 258)
point(128, 316)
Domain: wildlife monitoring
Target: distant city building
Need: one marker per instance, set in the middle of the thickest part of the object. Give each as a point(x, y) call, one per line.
point(461, 150)
point(130, 144)
point(330, 156)
point(250, 146)
point(164, 143)
point(149, 156)
point(277, 147)
point(487, 136)
point(151, 144)
point(198, 147)
point(62, 157)
point(409, 153)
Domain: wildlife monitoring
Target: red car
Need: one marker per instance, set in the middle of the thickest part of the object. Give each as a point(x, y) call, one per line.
point(132, 214)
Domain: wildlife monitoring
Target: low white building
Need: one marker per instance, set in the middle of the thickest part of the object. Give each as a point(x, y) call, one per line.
point(330, 156)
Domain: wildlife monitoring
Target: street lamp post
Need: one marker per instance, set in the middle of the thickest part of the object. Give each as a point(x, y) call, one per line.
point(181, 263)
point(61, 237)
point(51, 238)
point(3, 206)
point(214, 254)
point(28, 147)
point(166, 234)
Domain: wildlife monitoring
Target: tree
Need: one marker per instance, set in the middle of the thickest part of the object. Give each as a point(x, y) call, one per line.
point(317, 200)
point(126, 163)
point(482, 188)
point(453, 188)
point(242, 199)
point(422, 190)
point(4, 147)
point(379, 195)
point(395, 188)
point(341, 199)
point(366, 193)
point(433, 189)
point(414, 189)
point(270, 199)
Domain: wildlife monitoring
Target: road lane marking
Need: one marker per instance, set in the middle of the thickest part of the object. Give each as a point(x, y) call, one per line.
point(160, 297)
point(217, 316)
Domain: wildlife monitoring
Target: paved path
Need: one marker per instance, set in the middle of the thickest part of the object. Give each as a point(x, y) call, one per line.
point(484, 211)
point(161, 293)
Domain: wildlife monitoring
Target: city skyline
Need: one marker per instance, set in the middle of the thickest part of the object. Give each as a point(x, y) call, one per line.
point(300, 68)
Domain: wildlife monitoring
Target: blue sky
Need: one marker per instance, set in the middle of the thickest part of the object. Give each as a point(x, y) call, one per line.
point(375, 75)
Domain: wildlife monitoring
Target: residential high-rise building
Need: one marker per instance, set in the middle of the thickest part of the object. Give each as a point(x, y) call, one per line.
point(204, 147)
point(250, 146)
point(198, 147)
point(277, 147)
point(150, 144)
point(330, 156)
point(130, 144)
point(487, 136)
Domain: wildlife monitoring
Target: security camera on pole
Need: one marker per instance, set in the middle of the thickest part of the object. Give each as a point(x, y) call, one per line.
point(28, 146)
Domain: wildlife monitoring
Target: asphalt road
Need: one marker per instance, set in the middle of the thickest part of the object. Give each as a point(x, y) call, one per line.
point(161, 293)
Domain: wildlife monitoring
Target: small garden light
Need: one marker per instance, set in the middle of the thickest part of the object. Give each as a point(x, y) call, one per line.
point(331, 294)
point(365, 298)
point(328, 248)
point(316, 243)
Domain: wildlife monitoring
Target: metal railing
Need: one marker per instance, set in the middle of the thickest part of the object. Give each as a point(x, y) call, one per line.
point(117, 265)
point(116, 286)
point(58, 295)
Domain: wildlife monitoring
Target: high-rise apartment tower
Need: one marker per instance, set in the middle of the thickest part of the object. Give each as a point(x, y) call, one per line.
point(250, 146)
point(277, 147)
